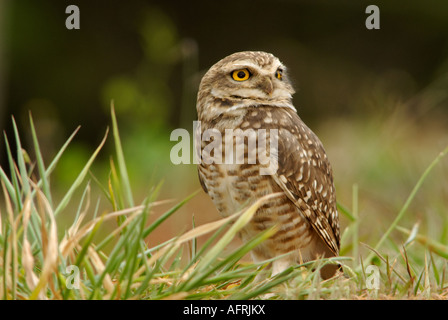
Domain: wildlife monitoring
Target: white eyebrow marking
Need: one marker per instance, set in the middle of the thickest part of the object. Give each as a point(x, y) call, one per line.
point(245, 65)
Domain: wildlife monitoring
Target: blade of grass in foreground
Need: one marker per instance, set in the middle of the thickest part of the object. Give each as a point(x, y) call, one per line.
point(436, 247)
point(80, 178)
point(120, 158)
point(167, 214)
point(8, 185)
point(51, 250)
point(229, 262)
point(40, 164)
point(203, 268)
point(407, 203)
point(59, 155)
point(15, 181)
point(21, 160)
point(132, 260)
point(19, 178)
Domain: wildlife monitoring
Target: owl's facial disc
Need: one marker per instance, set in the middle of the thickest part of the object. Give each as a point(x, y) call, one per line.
point(247, 83)
point(241, 80)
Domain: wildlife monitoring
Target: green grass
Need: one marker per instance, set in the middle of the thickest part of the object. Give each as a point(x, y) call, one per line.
point(38, 260)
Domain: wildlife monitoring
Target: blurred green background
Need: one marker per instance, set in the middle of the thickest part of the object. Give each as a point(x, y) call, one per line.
point(378, 99)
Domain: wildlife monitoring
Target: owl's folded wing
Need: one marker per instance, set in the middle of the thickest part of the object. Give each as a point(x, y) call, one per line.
point(305, 175)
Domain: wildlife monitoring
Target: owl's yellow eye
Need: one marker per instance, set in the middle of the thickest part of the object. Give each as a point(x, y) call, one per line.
point(279, 74)
point(241, 75)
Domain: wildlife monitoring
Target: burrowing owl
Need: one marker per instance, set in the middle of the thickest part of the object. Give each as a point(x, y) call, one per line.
point(251, 91)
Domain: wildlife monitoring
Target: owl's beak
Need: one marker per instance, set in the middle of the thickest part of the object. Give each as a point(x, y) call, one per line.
point(267, 86)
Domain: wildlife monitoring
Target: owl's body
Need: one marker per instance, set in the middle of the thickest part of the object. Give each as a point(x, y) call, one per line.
point(249, 92)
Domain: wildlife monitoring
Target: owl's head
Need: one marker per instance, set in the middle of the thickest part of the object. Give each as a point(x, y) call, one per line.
point(244, 79)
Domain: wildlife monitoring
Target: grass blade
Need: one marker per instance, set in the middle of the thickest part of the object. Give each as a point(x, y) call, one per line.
point(166, 215)
point(16, 196)
point(65, 200)
point(40, 164)
point(21, 160)
point(434, 246)
point(9, 186)
point(407, 203)
point(59, 155)
point(121, 161)
point(201, 271)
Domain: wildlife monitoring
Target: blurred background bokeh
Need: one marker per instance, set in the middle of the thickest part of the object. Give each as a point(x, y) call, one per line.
point(378, 99)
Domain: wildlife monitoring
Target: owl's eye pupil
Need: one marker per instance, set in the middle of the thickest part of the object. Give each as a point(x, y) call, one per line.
point(279, 74)
point(241, 75)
